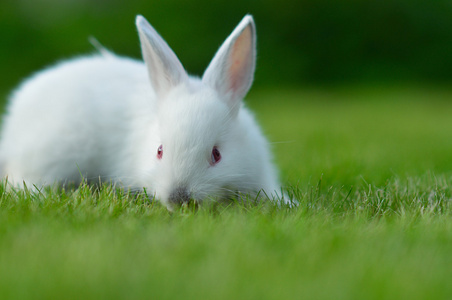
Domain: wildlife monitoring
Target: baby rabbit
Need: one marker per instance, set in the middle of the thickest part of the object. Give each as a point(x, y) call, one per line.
point(143, 125)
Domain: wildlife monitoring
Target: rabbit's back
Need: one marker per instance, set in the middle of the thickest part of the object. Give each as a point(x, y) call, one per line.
point(83, 111)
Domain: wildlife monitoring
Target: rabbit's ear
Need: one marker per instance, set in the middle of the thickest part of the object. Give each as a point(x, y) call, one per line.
point(231, 71)
point(164, 68)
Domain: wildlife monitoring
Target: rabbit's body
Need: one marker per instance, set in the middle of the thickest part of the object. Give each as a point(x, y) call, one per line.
point(142, 125)
point(60, 126)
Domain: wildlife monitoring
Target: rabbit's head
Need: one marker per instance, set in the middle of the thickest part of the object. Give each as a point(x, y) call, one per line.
point(199, 153)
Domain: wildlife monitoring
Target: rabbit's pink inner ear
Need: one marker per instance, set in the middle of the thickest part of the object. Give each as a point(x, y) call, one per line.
point(164, 68)
point(241, 61)
point(231, 71)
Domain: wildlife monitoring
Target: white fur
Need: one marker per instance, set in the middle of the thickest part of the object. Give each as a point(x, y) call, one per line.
point(104, 117)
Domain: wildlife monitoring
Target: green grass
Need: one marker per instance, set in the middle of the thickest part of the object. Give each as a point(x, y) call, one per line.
point(371, 169)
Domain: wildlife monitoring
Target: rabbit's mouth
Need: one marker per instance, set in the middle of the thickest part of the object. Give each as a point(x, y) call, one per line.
point(182, 196)
point(179, 196)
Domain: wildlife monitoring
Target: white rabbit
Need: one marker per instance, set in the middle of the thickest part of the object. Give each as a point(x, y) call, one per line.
point(143, 125)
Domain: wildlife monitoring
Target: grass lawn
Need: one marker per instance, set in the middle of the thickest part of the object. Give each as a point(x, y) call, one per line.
point(371, 167)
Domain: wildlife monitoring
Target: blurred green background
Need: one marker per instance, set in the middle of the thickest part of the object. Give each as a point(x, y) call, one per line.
point(300, 42)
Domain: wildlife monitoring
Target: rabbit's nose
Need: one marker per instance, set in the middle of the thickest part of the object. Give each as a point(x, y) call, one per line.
point(179, 196)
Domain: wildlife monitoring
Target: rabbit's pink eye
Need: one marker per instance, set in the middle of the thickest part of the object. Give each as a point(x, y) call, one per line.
point(216, 156)
point(160, 152)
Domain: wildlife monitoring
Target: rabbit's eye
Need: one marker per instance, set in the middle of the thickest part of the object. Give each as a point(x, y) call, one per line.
point(160, 152)
point(216, 156)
